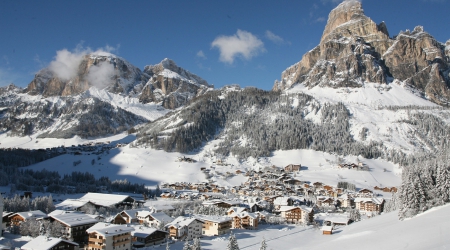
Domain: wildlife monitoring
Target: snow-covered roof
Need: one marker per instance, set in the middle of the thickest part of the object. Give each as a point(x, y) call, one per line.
point(218, 219)
point(133, 212)
point(337, 219)
point(244, 214)
point(143, 232)
point(282, 201)
point(109, 229)
point(181, 221)
point(327, 228)
point(70, 204)
point(31, 214)
point(159, 216)
point(43, 243)
point(74, 219)
point(161, 207)
point(236, 209)
point(104, 200)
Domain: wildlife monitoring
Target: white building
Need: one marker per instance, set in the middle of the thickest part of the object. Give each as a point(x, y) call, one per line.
point(185, 228)
point(107, 236)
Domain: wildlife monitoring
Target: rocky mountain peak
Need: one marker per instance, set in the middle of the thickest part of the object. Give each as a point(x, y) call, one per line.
point(171, 85)
point(102, 70)
point(354, 50)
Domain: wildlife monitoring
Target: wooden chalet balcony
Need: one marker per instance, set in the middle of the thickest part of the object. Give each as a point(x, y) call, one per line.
point(96, 246)
point(98, 241)
point(115, 244)
point(121, 237)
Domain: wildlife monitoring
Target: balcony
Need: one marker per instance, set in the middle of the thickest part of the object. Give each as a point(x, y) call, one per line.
point(98, 241)
point(121, 243)
point(121, 237)
point(96, 246)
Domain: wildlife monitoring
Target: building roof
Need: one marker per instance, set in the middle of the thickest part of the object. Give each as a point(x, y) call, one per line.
point(109, 229)
point(159, 216)
point(236, 209)
point(105, 200)
point(218, 219)
point(74, 219)
point(31, 214)
point(327, 228)
point(143, 232)
point(282, 201)
point(43, 243)
point(132, 213)
point(161, 207)
point(70, 204)
point(244, 214)
point(182, 221)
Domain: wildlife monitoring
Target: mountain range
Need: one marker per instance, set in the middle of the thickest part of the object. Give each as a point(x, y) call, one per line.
point(360, 91)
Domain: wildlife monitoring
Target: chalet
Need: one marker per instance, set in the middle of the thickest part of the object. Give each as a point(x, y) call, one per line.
point(128, 216)
point(318, 184)
point(50, 243)
point(292, 168)
point(263, 215)
point(233, 210)
point(336, 219)
point(161, 207)
point(328, 187)
point(297, 214)
point(345, 201)
point(282, 201)
point(107, 236)
point(323, 201)
point(153, 219)
point(365, 191)
point(244, 220)
point(215, 225)
point(183, 228)
point(98, 200)
point(222, 203)
point(147, 236)
point(75, 225)
point(166, 195)
point(369, 204)
point(20, 217)
point(6, 218)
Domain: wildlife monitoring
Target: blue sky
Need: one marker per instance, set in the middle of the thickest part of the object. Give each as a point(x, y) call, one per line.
point(241, 42)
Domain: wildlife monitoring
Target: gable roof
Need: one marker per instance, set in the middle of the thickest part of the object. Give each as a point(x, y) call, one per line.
point(182, 221)
point(375, 200)
point(105, 200)
point(43, 243)
point(74, 219)
point(159, 216)
point(31, 214)
point(143, 232)
point(107, 229)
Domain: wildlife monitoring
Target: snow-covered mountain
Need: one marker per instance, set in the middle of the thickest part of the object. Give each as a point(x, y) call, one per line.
point(171, 85)
point(99, 94)
point(354, 51)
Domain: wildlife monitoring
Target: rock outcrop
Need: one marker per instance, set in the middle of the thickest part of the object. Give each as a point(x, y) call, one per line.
point(171, 85)
point(355, 50)
point(105, 71)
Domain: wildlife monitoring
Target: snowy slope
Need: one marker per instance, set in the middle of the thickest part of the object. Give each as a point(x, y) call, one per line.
point(381, 109)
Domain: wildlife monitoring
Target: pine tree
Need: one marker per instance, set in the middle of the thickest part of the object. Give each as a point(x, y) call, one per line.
point(167, 246)
point(196, 245)
point(263, 244)
point(186, 245)
point(232, 242)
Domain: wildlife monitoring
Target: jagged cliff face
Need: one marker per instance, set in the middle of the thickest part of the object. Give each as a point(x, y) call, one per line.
point(104, 71)
point(355, 50)
point(171, 85)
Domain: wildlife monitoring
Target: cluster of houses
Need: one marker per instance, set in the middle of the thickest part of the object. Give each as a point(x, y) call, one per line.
point(272, 195)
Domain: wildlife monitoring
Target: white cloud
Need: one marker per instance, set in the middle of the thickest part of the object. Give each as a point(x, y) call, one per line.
point(201, 54)
point(66, 63)
point(274, 38)
point(243, 44)
point(100, 75)
point(320, 19)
